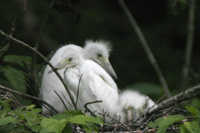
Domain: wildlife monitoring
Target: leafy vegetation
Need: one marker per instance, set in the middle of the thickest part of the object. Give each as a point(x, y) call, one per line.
point(29, 119)
point(190, 124)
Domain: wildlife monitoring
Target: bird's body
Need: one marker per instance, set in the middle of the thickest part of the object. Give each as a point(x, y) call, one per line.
point(95, 84)
point(133, 105)
point(51, 83)
point(94, 50)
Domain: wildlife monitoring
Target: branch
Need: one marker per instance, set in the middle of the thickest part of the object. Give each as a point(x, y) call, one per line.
point(93, 102)
point(61, 100)
point(78, 91)
point(29, 96)
point(189, 44)
point(44, 58)
point(185, 95)
point(145, 46)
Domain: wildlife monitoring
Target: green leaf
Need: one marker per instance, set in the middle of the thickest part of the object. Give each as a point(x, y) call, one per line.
point(17, 59)
point(6, 107)
point(6, 120)
point(52, 125)
point(188, 126)
point(183, 129)
point(36, 111)
point(30, 107)
point(156, 122)
point(168, 121)
point(86, 121)
point(67, 129)
point(195, 126)
point(16, 80)
point(33, 120)
point(67, 114)
point(12, 128)
point(192, 110)
point(83, 119)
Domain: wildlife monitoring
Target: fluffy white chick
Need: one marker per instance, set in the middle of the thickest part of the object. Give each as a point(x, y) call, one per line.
point(133, 105)
point(99, 51)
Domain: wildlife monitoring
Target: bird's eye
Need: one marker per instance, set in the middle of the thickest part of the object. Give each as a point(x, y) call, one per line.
point(70, 59)
point(99, 55)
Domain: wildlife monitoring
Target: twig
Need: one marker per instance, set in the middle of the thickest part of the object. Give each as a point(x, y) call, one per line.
point(78, 91)
point(145, 46)
point(29, 96)
point(61, 100)
point(44, 58)
point(177, 98)
point(66, 99)
point(189, 44)
point(93, 102)
point(122, 123)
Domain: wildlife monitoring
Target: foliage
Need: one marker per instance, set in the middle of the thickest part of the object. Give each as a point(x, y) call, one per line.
point(185, 124)
point(13, 72)
point(28, 119)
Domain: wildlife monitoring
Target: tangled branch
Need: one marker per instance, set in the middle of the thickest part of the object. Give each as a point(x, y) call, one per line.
point(43, 57)
point(29, 96)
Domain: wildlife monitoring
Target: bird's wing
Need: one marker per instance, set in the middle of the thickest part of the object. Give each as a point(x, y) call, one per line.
point(105, 76)
point(100, 84)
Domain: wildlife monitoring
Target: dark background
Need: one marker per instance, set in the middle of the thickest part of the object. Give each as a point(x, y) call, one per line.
point(163, 23)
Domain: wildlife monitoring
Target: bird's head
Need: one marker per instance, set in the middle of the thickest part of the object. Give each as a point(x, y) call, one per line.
point(99, 51)
point(73, 56)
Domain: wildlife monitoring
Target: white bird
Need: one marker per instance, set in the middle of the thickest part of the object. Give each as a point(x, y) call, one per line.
point(133, 105)
point(95, 84)
point(51, 82)
point(94, 50)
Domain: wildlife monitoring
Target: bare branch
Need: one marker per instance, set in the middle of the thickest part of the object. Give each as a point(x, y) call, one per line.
point(93, 102)
point(185, 95)
point(145, 46)
point(189, 44)
point(29, 96)
point(44, 58)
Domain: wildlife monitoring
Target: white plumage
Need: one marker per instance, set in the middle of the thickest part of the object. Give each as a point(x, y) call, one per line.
point(133, 105)
point(99, 51)
point(94, 50)
point(95, 83)
point(51, 82)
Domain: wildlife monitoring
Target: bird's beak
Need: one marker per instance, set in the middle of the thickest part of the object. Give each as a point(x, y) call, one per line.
point(108, 67)
point(60, 65)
